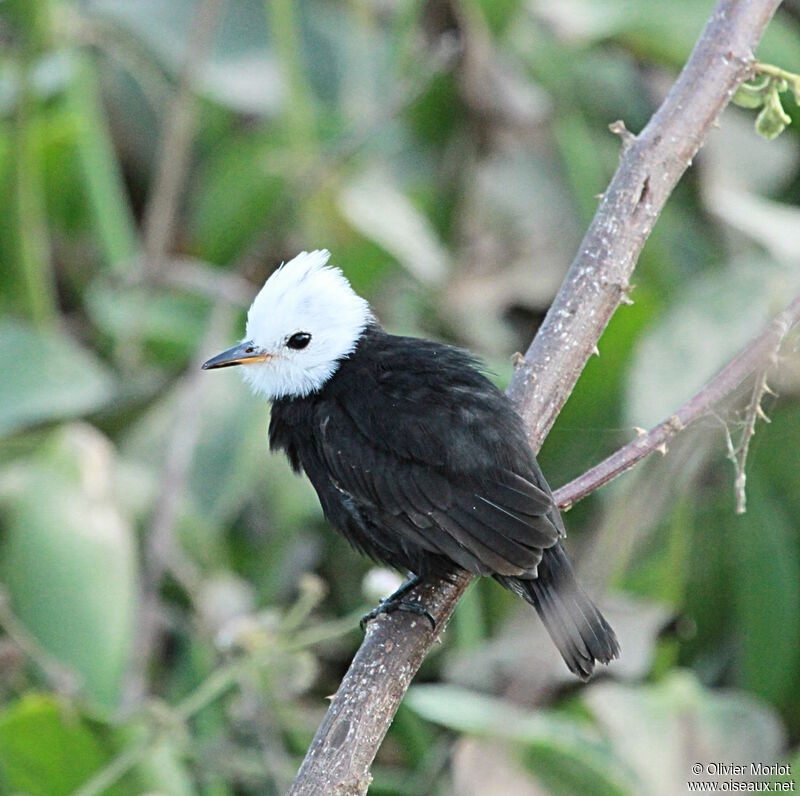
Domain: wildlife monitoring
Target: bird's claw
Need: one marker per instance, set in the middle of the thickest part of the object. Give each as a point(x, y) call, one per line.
point(390, 606)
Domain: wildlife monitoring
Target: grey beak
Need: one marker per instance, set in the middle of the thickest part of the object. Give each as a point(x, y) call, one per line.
point(246, 353)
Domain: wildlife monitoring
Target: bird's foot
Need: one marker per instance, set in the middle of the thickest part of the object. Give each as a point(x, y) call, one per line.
point(390, 605)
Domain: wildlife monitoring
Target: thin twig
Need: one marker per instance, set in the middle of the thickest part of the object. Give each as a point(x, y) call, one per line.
point(61, 679)
point(340, 756)
point(160, 214)
point(161, 554)
point(198, 277)
point(161, 211)
point(775, 71)
point(119, 766)
point(754, 358)
point(650, 166)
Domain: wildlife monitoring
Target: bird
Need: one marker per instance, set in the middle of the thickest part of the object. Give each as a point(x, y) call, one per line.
point(417, 458)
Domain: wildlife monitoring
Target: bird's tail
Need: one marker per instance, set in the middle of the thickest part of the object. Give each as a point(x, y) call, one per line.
point(577, 628)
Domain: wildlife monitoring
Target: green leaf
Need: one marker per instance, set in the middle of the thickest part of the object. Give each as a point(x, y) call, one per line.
point(766, 571)
point(559, 741)
point(772, 120)
point(231, 445)
point(378, 208)
point(46, 376)
point(69, 561)
point(167, 322)
point(237, 193)
point(45, 750)
point(102, 178)
point(751, 94)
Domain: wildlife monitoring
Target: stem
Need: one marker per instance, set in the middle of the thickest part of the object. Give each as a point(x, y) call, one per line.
point(59, 677)
point(28, 200)
point(119, 766)
point(213, 687)
point(299, 99)
point(750, 360)
point(162, 208)
point(105, 191)
point(775, 71)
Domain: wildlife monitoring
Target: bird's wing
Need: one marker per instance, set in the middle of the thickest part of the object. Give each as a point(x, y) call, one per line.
point(480, 513)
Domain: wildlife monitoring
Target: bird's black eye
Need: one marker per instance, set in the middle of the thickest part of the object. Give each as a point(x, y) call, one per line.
point(299, 340)
point(249, 350)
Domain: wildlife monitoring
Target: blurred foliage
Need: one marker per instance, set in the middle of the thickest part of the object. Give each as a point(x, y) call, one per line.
point(449, 157)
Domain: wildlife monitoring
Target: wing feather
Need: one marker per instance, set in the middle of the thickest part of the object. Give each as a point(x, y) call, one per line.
point(521, 495)
point(488, 556)
point(486, 518)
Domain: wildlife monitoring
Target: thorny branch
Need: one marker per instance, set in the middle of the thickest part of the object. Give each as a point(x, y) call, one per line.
point(757, 357)
point(161, 553)
point(159, 221)
point(346, 742)
point(161, 211)
point(58, 676)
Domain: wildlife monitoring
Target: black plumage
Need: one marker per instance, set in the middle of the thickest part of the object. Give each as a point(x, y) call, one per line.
point(422, 463)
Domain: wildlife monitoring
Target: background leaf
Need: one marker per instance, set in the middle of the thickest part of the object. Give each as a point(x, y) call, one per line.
point(48, 377)
point(44, 751)
point(69, 562)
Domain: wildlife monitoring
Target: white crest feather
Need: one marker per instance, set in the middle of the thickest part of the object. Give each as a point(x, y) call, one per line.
point(304, 295)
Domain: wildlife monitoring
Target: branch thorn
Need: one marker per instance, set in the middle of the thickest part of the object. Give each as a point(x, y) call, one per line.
point(618, 128)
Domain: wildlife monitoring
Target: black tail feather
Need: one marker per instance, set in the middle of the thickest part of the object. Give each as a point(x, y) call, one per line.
point(578, 629)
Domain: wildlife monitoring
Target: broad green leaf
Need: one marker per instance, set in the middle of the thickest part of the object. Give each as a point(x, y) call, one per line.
point(236, 194)
point(167, 322)
point(46, 376)
point(47, 749)
point(69, 561)
point(766, 571)
point(557, 740)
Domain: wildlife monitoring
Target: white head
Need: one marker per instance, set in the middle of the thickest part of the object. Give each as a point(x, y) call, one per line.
point(302, 323)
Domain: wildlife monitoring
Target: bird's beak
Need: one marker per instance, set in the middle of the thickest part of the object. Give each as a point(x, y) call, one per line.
point(246, 353)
